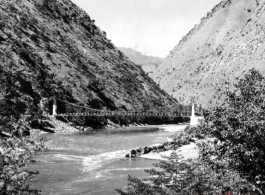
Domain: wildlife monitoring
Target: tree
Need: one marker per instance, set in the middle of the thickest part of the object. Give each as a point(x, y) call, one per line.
point(185, 177)
point(238, 128)
point(16, 153)
point(232, 160)
point(167, 178)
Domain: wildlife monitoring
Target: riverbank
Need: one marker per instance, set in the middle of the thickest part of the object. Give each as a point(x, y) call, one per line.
point(166, 127)
point(184, 146)
point(173, 128)
point(65, 126)
point(189, 151)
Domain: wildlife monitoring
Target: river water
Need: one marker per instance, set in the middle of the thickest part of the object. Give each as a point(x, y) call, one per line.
point(94, 162)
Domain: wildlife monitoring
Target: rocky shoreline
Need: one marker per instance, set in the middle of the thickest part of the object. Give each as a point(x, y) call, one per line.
point(181, 140)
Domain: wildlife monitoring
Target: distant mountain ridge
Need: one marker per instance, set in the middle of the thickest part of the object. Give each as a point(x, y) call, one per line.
point(228, 42)
point(148, 63)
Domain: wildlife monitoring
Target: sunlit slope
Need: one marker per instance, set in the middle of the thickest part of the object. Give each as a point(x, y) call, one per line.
point(227, 43)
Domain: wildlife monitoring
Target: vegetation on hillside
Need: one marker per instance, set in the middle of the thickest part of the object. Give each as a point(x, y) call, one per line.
point(232, 156)
point(52, 48)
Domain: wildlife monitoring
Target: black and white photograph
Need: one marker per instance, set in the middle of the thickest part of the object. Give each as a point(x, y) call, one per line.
point(132, 97)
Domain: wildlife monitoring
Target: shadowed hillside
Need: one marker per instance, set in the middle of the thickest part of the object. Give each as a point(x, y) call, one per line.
point(52, 48)
point(228, 42)
point(148, 63)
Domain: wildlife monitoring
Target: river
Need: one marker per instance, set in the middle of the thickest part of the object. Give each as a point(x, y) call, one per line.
point(94, 162)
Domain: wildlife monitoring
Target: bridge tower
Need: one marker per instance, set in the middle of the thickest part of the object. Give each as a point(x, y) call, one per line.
point(194, 120)
point(54, 108)
point(192, 110)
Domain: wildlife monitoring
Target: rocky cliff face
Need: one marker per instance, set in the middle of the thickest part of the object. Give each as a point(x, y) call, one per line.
point(148, 63)
point(52, 48)
point(229, 41)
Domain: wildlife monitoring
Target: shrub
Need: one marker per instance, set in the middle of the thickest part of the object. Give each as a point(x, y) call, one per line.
point(239, 128)
point(233, 161)
point(179, 177)
point(15, 154)
point(190, 130)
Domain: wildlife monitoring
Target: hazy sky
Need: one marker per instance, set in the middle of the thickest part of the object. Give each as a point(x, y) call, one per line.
point(153, 27)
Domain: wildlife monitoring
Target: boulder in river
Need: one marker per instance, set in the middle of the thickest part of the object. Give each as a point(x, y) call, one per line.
point(147, 150)
point(133, 153)
point(154, 148)
point(139, 151)
point(160, 148)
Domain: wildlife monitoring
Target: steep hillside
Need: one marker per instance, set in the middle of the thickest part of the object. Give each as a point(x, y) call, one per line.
point(227, 43)
point(148, 63)
point(52, 48)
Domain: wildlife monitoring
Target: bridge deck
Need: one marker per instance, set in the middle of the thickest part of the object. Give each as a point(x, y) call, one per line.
point(124, 114)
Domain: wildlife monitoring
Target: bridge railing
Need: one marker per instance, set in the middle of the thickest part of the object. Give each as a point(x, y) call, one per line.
point(124, 114)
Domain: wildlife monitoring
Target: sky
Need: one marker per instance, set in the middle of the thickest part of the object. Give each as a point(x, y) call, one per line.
point(153, 27)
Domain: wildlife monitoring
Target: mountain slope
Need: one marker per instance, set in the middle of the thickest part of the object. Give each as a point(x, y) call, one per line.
point(227, 43)
point(52, 48)
point(148, 63)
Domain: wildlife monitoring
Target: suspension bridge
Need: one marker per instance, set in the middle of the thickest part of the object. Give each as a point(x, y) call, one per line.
point(103, 113)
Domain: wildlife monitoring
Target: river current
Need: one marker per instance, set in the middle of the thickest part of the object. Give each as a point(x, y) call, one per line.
point(86, 163)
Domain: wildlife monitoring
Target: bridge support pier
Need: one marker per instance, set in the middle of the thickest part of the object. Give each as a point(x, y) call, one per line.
point(54, 108)
point(194, 120)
